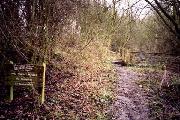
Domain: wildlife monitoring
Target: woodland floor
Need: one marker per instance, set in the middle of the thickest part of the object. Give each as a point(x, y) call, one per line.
point(138, 96)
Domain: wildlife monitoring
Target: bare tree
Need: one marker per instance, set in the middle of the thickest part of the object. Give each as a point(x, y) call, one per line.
point(28, 28)
point(169, 12)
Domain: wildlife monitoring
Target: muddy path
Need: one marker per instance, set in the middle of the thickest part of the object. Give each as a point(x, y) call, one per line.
point(131, 102)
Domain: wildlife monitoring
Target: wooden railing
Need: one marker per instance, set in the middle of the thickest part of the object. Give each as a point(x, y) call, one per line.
point(125, 55)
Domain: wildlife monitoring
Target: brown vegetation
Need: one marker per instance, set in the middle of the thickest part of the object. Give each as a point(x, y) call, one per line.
point(78, 40)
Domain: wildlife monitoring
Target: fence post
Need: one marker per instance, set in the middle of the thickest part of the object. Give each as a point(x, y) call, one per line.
point(123, 53)
point(11, 92)
point(127, 56)
point(43, 84)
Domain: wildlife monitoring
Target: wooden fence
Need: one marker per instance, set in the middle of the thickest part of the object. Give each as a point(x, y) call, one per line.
point(139, 57)
point(125, 55)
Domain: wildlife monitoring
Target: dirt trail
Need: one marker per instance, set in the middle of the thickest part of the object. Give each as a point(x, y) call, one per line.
point(131, 102)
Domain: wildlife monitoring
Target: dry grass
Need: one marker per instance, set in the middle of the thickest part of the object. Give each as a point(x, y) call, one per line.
point(164, 102)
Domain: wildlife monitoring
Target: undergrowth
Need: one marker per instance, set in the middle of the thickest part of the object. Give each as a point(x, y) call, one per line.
point(164, 102)
point(78, 87)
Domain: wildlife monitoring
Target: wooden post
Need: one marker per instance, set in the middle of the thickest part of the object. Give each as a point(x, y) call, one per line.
point(43, 84)
point(128, 56)
point(11, 92)
point(123, 53)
